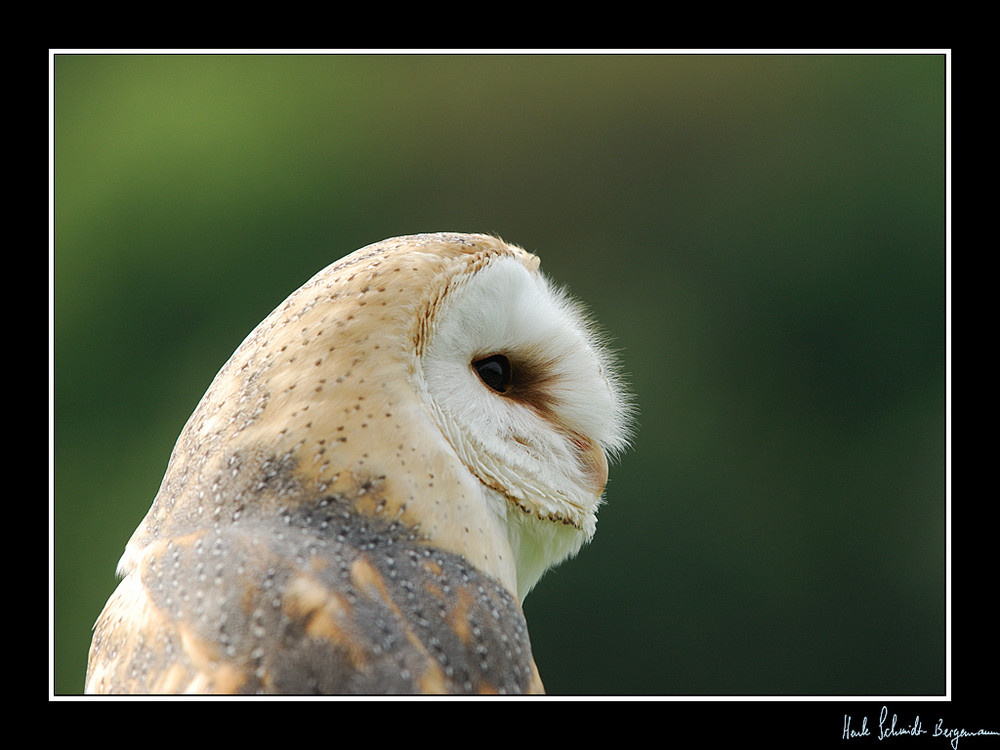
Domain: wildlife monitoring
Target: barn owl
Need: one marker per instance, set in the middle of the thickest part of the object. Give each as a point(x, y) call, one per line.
point(372, 484)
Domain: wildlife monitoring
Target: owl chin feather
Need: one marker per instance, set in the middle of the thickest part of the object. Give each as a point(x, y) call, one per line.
point(539, 544)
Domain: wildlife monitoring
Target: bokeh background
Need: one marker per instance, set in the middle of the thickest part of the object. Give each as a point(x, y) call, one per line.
point(763, 236)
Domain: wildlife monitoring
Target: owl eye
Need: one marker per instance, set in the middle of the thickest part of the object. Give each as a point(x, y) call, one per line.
point(495, 371)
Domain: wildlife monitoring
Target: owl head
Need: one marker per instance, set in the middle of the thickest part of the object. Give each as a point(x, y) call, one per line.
point(438, 380)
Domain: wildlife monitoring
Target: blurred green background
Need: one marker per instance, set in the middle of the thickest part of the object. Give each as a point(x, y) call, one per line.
point(763, 236)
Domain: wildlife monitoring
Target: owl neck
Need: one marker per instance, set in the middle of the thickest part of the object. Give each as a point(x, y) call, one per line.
point(539, 545)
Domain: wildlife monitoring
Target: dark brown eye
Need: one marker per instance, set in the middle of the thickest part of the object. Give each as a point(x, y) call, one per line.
point(495, 371)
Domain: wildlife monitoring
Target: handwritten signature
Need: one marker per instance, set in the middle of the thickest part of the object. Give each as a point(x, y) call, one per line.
point(893, 727)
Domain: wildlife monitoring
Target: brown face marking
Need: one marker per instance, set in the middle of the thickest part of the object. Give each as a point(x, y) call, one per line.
point(530, 381)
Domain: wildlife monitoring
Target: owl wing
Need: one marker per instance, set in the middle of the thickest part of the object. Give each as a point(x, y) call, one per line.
point(309, 603)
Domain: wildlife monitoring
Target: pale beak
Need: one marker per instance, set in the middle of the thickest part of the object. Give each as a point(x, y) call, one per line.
point(593, 462)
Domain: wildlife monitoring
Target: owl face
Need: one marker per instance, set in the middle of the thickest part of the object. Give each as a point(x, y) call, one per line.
point(527, 396)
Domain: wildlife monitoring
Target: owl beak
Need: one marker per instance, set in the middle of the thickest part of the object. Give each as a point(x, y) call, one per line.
point(594, 463)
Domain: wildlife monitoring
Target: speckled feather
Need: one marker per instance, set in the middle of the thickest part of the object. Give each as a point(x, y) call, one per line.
point(314, 531)
point(317, 600)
